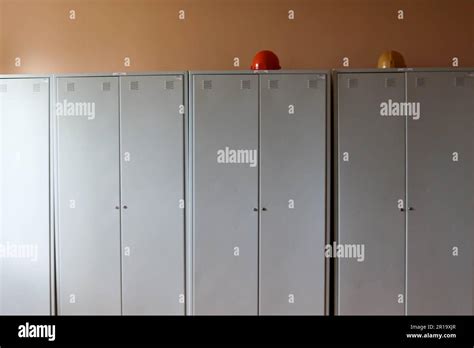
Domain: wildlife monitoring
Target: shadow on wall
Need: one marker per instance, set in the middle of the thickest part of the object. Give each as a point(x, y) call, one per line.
point(145, 35)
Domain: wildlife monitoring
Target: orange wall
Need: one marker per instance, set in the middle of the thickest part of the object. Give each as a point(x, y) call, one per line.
point(1, 37)
point(216, 31)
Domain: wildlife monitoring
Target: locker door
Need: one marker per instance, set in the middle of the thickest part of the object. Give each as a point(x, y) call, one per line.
point(371, 181)
point(152, 147)
point(293, 195)
point(440, 191)
point(88, 197)
point(225, 194)
point(24, 197)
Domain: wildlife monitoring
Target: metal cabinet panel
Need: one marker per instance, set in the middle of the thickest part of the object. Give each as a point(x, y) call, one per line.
point(293, 195)
point(152, 149)
point(88, 195)
point(225, 240)
point(24, 197)
point(440, 190)
point(371, 172)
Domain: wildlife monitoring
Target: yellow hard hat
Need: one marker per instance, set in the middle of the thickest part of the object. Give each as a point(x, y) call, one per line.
point(391, 59)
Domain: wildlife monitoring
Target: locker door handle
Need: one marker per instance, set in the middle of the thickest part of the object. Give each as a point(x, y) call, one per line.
point(264, 209)
point(255, 209)
point(125, 207)
point(401, 209)
point(411, 209)
point(117, 207)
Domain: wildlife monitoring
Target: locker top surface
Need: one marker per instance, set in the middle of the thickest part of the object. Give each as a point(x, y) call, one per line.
point(119, 74)
point(236, 72)
point(25, 76)
point(257, 72)
point(401, 70)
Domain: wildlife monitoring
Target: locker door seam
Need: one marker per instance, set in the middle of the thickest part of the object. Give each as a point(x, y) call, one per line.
point(57, 206)
point(184, 181)
point(120, 187)
point(259, 190)
point(406, 200)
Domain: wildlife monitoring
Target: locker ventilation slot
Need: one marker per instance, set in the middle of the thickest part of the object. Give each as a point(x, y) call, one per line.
point(36, 87)
point(459, 81)
point(420, 82)
point(134, 86)
point(3, 88)
point(273, 84)
point(245, 84)
point(169, 85)
point(106, 86)
point(390, 83)
point(313, 84)
point(207, 84)
point(352, 83)
point(71, 87)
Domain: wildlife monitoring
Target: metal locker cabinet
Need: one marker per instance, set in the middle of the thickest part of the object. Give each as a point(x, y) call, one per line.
point(371, 180)
point(24, 196)
point(152, 149)
point(441, 192)
point(293, 195)
point(88, 195)
point(225, 115)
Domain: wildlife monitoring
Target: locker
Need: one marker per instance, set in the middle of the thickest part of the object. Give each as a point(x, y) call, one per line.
point(439, 195)
point(25, 287)
point(293, 194)
point(440, 192)
point(88, 195)
point(225, 201)
point(152, 188)
point(252, 251)
point(370, 194)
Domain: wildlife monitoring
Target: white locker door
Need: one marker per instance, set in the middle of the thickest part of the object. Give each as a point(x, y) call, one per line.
point(24, 197)
point(88, 196)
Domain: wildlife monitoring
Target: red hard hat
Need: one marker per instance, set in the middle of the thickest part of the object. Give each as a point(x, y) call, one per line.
point(265, 60)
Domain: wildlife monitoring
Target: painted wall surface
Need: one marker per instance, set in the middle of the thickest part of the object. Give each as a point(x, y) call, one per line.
point(214, 32)
point(1, 36)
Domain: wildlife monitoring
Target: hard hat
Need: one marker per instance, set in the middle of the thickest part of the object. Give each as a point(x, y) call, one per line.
point(391, 59)
point(265, 60)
